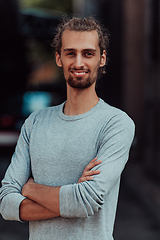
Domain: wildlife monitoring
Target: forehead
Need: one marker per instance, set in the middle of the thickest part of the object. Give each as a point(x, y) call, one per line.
point(79, 40)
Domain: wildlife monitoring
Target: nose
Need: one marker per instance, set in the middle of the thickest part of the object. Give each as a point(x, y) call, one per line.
point(79, 61)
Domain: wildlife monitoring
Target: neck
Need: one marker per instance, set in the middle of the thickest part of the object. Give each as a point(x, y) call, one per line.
point(80, 101)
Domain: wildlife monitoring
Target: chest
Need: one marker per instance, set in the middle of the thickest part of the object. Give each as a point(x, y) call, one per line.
point(60, 151)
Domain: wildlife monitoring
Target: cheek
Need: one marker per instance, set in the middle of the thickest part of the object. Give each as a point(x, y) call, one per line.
point(66, 65)
point(95, 67)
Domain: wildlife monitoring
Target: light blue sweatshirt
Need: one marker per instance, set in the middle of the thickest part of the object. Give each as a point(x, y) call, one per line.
point(56, 148)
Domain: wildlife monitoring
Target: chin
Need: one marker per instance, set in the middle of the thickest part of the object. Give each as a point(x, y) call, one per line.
point(79, 83)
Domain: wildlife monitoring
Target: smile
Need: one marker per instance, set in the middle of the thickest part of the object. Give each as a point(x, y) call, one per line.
point(79, 73)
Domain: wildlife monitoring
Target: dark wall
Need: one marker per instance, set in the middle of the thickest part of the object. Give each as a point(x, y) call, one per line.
point(13, 64)
point(13, 67)
point(110, 86)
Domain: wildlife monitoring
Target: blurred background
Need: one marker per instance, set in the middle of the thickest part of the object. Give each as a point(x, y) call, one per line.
point(30, 80)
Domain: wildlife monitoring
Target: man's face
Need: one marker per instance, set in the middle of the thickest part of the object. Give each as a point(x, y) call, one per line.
point(80, 58)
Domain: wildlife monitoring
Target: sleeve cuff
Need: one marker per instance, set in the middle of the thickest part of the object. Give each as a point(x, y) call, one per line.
point(13, 200)
point(63, 198)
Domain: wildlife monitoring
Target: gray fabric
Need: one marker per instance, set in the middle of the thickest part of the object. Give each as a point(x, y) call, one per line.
point(56, 148)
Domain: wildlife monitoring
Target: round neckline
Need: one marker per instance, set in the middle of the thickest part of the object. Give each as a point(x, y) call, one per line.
point(77, 117)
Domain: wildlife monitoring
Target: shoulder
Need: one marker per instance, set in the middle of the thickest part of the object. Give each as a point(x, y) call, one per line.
point(115, 118)
point(43, 114)
point(113, 112)
point(40, 118)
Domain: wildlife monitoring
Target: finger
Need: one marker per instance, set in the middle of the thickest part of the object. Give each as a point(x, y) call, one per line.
point(93, 172)
point(83, 179)
point(89, 175)
point(92, 164)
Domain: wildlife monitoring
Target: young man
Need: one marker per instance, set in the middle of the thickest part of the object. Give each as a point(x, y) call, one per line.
point(62, 201)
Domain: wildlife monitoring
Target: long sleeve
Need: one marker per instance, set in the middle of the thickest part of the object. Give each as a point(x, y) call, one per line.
point(16, 176)
point(86, 198)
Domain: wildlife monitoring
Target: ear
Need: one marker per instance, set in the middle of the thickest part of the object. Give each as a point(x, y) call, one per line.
point(103, 59)
point(58, 60)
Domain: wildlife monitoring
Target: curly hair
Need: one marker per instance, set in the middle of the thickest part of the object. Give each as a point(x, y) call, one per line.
point(82, 24)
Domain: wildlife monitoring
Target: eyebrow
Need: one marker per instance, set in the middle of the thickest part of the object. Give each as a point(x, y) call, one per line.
point(87, 49)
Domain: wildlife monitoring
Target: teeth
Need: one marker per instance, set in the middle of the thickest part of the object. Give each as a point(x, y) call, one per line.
point(81, 73)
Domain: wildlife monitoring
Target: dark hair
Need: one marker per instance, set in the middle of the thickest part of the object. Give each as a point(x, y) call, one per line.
point(82, 24)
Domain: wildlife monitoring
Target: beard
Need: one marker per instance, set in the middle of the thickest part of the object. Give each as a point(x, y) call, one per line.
point(80, 82)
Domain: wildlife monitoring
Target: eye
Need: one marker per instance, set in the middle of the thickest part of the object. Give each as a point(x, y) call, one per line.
point(70, 54)
point(88, 54)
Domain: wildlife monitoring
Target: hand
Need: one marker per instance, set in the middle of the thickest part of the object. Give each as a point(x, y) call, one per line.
point(88, 173)
point(26, 187)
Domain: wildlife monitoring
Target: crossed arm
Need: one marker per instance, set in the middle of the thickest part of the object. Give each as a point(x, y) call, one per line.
point(42, 202)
